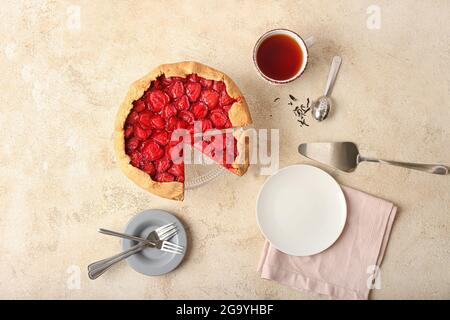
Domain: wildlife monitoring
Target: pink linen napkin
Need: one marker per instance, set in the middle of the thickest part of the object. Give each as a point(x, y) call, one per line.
point(345, 270)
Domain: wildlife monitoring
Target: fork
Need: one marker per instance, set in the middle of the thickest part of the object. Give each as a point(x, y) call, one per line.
point(151, 243)
point(96, 269)
point(165, 232)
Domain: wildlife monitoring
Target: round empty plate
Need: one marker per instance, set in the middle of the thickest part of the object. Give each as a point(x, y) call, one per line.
point(301, 210)
point(151, 261)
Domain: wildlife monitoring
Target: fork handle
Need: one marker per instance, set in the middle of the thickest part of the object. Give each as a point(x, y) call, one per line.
point(96, 269)
point(125, 236)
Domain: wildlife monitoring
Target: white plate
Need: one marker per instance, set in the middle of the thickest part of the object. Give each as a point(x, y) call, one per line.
point(301, 210)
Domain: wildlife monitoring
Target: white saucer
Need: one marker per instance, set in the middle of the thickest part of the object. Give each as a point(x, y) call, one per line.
point(301, 210)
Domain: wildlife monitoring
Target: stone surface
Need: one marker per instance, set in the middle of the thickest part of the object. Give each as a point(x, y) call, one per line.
point(62, 83)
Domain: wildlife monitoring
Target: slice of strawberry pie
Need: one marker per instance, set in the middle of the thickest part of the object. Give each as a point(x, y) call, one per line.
point(165, 110)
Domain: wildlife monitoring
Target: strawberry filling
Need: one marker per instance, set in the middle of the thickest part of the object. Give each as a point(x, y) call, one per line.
point(177, 103)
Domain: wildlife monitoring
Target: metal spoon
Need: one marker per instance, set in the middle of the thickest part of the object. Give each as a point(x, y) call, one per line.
point(321, 107)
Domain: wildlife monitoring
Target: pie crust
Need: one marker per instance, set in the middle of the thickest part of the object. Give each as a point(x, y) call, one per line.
point(238, 115)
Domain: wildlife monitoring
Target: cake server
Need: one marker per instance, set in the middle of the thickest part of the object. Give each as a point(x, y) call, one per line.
point(346, 157)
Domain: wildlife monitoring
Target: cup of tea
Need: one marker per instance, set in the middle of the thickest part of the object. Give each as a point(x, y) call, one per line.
point(281, 55)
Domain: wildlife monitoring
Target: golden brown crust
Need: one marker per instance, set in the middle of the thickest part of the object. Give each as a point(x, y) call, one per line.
point(239, 113)
point(242, 161)
point(169, 190)
point(239, 116)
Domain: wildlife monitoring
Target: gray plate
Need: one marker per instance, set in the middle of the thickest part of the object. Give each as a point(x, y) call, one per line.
point(151, 261)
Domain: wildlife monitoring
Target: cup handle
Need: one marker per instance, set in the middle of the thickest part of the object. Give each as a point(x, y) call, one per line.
point(310, 42)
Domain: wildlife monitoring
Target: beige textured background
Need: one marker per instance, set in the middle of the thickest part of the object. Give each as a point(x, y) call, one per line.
point(60, 89)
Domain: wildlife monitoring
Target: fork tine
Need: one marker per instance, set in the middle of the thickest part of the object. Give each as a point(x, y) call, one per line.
point(165, 231)
point(168, 244)
point(162, 235)
point(171, 250)
point(164, 227)
point(167, 235)
point(174, 245)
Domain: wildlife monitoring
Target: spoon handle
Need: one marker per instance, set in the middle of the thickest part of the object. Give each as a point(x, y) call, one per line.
point(335, 64)
point(430, 168)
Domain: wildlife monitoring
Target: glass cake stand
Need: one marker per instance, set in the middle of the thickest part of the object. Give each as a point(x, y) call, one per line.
point(200, 174)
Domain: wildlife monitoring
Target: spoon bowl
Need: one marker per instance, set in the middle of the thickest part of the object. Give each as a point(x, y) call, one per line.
point(321, 107)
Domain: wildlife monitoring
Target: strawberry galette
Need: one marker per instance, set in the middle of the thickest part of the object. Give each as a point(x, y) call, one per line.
point(174, 105)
